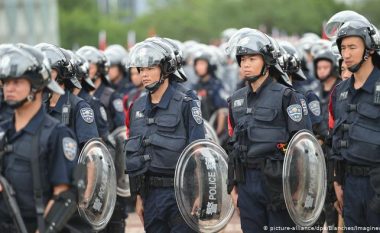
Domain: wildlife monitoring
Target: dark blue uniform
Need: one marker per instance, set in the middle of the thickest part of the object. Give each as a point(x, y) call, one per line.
point(77, 115)
point(312, 109)
point(158, 135)
point(323, 128)
point(261, 121)
point(100, 113)
point(212, 96)
point(114, 105)
point(47, 140)
point(124, 86)
point(356, 142)
point(181, 88)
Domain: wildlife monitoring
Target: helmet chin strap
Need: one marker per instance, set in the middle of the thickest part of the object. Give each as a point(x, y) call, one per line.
point(17, 104)
point(356, 67)
point(153, 87)
point(253, 79)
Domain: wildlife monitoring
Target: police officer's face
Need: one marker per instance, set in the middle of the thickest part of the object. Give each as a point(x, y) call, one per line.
point(352, 50)
point(16, 89)
point(92, 71)
point(135, 77)
point(150, 75)
point(201, 67)
point(113, 72)
point(251, 65)
point(54, 74)
point(323, 69)
point(344, 72)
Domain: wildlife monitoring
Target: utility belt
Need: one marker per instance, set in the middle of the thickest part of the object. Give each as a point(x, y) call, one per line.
point(143, 183)
point(342, 168)
point(357, 170)
point(240, 161)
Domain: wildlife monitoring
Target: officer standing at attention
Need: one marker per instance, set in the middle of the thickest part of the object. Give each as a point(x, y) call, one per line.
point(262, 116)
point(118, 72)
point(113, 101)
point(81, 67)
point(209, 88)
point(355, 105)
point(162, 124)
point(326, 70)
point(71, 110)
point(35, 147)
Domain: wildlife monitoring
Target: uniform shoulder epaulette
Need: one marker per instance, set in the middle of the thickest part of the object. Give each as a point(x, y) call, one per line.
point(141, 98)
point(49, 121)
point(240, 91)
point(288, 91)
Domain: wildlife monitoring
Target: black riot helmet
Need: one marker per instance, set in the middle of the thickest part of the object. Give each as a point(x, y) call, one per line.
point(290, 61)
point(81, 69)
point(205, 54)
point(97, 57)
point(326, 55)
point(24, 61)
point(117, 56)
point(348, 23)
point(171, 47)
point(253, 42)
point(61, 61)
point(148, 54)
point(176, 47)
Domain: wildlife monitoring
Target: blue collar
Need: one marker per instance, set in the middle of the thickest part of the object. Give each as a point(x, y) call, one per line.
point(165, 100)
point(33, 125)
point(369, 84)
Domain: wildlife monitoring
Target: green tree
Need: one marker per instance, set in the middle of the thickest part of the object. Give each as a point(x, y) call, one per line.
point(203, 20)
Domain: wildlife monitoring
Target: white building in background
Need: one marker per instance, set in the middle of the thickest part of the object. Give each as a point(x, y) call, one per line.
point(29, 21)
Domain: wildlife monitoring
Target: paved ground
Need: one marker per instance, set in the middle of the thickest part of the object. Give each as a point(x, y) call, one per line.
point(134, 225)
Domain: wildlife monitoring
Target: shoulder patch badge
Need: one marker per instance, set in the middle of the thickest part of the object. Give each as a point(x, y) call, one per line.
point(103, 113)
point(118, 105)
point(315, 107)
point(238, 103)
point(87, 115)
point(295, 112)
point(197, 115)
point(69, 148)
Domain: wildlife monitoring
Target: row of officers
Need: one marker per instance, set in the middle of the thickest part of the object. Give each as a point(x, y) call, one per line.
point(57, 100)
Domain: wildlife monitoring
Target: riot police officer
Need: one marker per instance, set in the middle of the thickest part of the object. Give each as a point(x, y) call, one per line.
point(326, 70)
point(162, 123)
point(355, 107)
point(263, 116)
point(81, 67)
point(68, 108)
point(118, 71)
point(291, 64)
point(38, 153)
point(209, 88)
point(113, 102)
